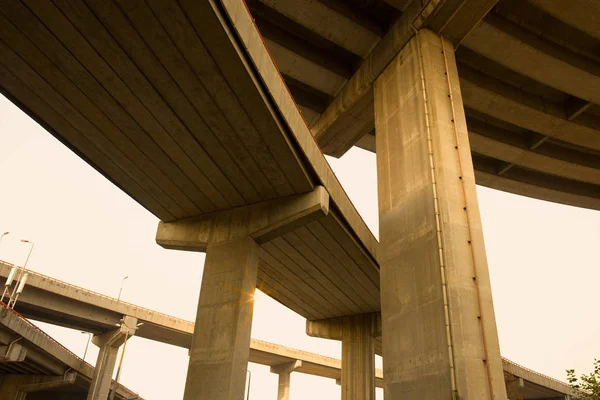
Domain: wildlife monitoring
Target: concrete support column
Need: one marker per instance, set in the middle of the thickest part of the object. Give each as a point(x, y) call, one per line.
point(285, 374)
point(109, 344)
point(439, 330)
point(357, 333)
point(358, 358)
point(221, 344)
point(232, 239)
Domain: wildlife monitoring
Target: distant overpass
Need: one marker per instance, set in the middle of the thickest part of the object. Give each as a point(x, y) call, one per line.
point(32, 362)
point(59, 303)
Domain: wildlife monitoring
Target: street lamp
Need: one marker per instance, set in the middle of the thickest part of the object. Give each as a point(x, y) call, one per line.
point(88, 342)
point(121, 290)
point(18, 284)
point(249, 382)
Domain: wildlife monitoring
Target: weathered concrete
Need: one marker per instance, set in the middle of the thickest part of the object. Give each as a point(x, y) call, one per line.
point(221, 345)
point(357, 333)
point(109, 344)
point(16, 387)
point(261, 222)
point(47, 368)
point(285, 373)
point(439, 330)
point(336, 130)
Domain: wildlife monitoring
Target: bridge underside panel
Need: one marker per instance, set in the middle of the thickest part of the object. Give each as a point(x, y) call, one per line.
point(161, 98)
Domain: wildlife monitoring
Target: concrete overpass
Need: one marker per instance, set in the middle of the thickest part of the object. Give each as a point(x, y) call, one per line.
point(34, 366)
point(59, 303)
point(184, 107)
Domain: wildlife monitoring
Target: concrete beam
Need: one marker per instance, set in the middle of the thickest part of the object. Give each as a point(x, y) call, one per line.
point(286, 368)
point(491, 96)
point(15, 386)
point(49, 382)
point(13, 352)
point(451, 18)
point(261, 222)
point(513, 47)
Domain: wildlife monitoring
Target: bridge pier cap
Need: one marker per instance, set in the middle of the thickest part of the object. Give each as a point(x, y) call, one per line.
point(232, 238)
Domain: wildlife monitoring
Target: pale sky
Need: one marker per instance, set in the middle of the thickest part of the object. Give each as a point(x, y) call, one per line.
point(543, 260)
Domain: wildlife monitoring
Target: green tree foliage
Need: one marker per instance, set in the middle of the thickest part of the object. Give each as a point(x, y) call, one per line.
point(587, 385)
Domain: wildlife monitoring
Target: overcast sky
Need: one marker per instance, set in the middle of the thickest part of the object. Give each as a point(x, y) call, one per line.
point(543, 261)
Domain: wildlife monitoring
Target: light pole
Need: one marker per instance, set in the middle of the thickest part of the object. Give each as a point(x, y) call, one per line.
point(2, 237)
point(10, 276)
point(249, 382)
point(21, 272)
point(121, 290)
point(88, 342)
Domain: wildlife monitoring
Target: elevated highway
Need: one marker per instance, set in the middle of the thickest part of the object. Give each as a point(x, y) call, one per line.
point(59, 303)
point(33, 364)
point(529, 73)
point(191, 107)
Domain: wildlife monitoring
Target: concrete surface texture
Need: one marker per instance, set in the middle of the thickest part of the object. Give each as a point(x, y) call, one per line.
point(183, 106)
point(281, 359)
point(439, 331)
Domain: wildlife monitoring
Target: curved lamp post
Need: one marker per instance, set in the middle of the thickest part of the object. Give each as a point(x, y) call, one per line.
point(22, 276)
point(121, 289)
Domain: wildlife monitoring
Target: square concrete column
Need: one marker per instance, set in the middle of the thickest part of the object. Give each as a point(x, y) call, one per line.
point(109, 344)
point(221, 344)
point(358, 357)
point(357, 333)
point(439, 331)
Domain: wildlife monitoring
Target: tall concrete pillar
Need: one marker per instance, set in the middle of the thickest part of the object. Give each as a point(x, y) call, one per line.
point(221, 344)
point(285, 374)
point(357, 333)
point(439, 330)
point(231, 239)
point(358, 358)
point(109, 344)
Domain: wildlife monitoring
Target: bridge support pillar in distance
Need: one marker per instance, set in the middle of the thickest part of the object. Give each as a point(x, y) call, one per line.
point(439, 330)
point(109, 344)
point(231, 239)
point(285, 374)
point(357, 333)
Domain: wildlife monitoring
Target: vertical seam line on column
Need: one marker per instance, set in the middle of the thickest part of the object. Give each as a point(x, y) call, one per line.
point(449, 336)
point(467, 211)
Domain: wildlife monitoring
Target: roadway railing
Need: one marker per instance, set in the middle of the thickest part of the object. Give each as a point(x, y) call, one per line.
point(113, 299)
